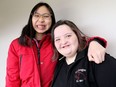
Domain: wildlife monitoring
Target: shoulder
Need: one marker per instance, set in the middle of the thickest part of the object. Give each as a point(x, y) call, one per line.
point(110, 57)
point(108, 65)
point(106, 72)
point(13, 47)
point(14, 42)
point(110, 60)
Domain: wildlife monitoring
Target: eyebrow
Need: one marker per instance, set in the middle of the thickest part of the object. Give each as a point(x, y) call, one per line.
point(63, 35)
point(39, 13)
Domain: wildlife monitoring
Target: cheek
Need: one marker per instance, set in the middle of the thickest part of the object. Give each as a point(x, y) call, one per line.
point(75, 44)
point(33, 21)
point(49, 23)
point(57, 46)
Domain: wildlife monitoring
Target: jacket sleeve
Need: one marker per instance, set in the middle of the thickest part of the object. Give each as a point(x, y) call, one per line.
point(105, 73)
point(12, 68)
point(100, 40)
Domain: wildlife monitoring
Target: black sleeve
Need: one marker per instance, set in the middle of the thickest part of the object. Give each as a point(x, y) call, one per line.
point(100, 40)
point(105, 73)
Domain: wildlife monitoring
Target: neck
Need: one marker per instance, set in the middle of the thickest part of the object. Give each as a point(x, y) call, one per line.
point(39, 36)
point(70, 60)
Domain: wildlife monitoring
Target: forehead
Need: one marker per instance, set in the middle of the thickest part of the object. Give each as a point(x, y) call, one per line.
point(42, 10)
point(62, 30)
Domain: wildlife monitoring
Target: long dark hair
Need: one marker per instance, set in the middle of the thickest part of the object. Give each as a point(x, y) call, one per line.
point(81, 36)
point(28, 30)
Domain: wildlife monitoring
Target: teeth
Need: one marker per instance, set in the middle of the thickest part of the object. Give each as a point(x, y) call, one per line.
point(41, 27)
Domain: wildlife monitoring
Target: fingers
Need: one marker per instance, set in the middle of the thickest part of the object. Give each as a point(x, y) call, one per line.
point(96, 57)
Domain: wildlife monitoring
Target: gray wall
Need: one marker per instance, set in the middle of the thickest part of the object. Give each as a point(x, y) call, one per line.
point(93, 17)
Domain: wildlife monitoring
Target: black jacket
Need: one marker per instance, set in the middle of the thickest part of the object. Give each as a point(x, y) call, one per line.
point(83, 73)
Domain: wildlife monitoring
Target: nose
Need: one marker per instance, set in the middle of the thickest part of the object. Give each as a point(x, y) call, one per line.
point(41, 19)
point(64, 41)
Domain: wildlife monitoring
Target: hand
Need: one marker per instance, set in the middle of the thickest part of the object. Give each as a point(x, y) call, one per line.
point(96, 52)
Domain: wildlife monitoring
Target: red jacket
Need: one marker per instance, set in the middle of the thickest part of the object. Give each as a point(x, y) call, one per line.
point(23, 69)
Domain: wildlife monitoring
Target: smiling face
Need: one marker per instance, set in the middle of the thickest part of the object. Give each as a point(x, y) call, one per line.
point(41, 20)
point(65, 40)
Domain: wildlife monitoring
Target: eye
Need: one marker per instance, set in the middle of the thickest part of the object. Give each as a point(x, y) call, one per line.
point(46, 15)
point(36, 15)
point(58, 39)
point(69, 35)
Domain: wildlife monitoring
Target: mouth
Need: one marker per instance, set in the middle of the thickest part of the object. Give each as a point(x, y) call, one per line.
point(65, 46)
point(41, 27)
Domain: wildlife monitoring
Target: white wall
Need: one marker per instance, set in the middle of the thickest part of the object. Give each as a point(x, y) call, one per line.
point(94, 17)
